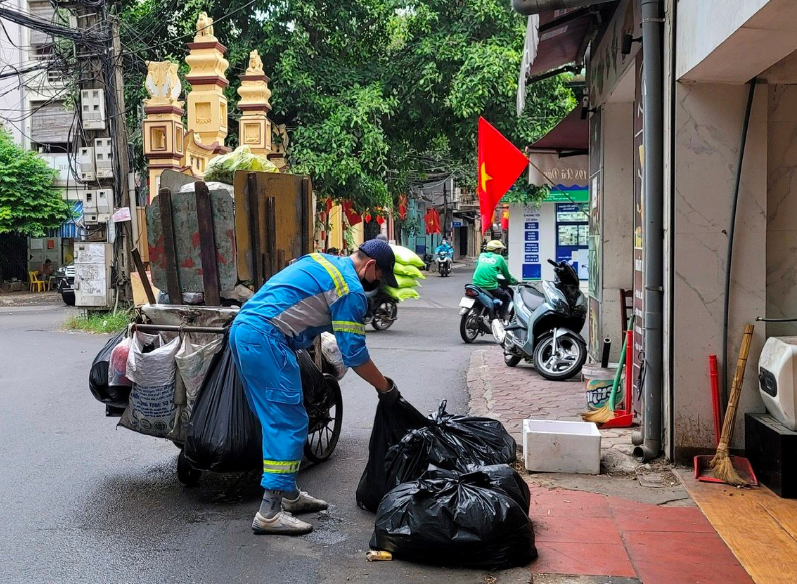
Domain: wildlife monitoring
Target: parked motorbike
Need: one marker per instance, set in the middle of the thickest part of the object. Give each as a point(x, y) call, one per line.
point(382, 310)
point(478, 308)
point(544, 325)
point(443, 263)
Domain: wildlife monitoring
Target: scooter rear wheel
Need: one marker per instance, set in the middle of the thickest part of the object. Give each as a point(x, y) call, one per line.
point(511, 360)
point(469, 326)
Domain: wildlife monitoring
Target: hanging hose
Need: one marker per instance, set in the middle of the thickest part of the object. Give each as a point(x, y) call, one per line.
point(729, 256)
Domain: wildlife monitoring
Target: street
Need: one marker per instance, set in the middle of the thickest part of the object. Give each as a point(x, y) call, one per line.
point(83, 501)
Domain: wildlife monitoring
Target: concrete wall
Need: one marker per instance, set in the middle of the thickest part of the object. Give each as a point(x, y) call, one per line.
point(731, 41)
point(781, 256)
point(617, 215)
point(708, 128)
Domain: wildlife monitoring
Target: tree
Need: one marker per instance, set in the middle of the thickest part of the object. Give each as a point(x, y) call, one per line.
point(29, 203)
point(376, 94)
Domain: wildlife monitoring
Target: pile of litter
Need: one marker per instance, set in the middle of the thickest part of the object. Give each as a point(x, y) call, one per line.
point(443, 490)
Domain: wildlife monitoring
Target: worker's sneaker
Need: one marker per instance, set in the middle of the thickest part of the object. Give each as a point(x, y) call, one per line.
point(498, 330)
point(283, 523)
point(304, 503)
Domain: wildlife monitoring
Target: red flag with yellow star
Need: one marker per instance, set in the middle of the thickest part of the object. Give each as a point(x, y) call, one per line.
point(499, 166)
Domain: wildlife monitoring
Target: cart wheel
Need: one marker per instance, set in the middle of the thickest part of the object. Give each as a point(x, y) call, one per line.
point(186, 473)
point(324, 431)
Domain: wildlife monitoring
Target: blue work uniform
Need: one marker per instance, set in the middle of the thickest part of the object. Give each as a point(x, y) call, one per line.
point(317, 293)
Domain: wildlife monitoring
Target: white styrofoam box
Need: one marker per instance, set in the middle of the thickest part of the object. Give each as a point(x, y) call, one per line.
point(86, 163)
point(561, 446)
point(92, 109)
point(777, 379)
point(103, 157)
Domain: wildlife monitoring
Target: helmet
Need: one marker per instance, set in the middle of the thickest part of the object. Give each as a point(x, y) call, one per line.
point(494, 245)
point(381, 236)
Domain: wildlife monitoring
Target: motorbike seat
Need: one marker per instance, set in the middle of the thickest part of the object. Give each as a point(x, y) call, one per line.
point(531, 297)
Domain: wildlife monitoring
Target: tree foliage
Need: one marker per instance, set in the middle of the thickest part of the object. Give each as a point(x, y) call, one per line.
point(29, 203)
point(376, 94)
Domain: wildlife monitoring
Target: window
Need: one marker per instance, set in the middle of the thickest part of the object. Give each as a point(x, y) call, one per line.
point(572, 235)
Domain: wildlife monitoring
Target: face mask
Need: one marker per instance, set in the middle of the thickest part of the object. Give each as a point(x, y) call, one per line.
point(367, 285)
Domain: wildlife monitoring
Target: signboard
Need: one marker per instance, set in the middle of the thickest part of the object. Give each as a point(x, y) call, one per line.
point(567, 196)
point(455, 224)
point(531, 267)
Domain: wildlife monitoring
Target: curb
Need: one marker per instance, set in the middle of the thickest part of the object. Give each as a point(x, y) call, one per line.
point(480, 389)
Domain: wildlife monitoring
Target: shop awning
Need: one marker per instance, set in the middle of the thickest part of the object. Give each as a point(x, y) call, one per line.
point(69, 229)
point(556, 39)
point(568, 137)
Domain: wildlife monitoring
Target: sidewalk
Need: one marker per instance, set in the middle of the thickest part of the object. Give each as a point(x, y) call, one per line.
point(633, 523)
point(30, 298)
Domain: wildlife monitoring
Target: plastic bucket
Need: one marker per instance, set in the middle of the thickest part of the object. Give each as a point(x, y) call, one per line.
point(598, 383)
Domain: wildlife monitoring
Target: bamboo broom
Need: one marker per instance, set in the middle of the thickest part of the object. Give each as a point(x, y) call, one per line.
point(606, 412)
point(722, 465)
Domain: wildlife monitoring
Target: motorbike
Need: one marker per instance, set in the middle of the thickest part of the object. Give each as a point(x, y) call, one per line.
point(443, 263)
point(543, 328)
point(382, 310)
point(478, 309)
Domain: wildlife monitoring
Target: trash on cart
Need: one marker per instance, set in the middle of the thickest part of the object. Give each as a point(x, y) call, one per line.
point(478, 519)
point(151, 368)
point(98, 376)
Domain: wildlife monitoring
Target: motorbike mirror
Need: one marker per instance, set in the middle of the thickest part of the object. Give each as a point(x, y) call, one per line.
point(553, 263)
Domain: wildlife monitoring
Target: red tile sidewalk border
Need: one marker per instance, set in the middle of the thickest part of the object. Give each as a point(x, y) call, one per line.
point(587, 534)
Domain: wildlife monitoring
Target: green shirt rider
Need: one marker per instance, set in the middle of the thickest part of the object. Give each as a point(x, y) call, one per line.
point(488, 266)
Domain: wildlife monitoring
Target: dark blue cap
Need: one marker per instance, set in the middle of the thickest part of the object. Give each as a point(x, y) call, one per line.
point(380, 251)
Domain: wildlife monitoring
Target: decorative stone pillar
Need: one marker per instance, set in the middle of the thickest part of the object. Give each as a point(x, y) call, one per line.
point(207, 106)
point(163, 130)
point(254, 127)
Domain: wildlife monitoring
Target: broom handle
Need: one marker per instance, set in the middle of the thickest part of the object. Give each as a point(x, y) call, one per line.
point(736, 387)
point(619, 372)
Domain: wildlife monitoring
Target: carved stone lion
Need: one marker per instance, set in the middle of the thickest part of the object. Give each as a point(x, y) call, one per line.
point(204, 25)
point(255, 63)
point(162, 81)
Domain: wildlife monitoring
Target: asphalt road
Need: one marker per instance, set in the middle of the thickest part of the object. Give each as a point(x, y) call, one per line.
point(84, 501)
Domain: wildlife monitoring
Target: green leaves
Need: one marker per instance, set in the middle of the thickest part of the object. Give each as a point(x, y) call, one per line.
point(376, 94)
point(29, 203)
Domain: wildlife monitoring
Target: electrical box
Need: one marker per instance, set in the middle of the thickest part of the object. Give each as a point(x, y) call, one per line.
point(85, 162)
point(92, 108)
point(104, 205)
point(89, 199)
point(103, 157)
point(92, 285)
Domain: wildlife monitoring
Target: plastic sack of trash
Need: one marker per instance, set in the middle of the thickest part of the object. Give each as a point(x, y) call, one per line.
point(222, 168)
point(98, 376)
point(223, 433)
point(406, 256)
point(193, 361)
point(477, 519)
point(390, 424)
point(117, 366)
point(450, 442)
point(150, 366)
point(408, 270)
point(332, 355)
point(401, 293)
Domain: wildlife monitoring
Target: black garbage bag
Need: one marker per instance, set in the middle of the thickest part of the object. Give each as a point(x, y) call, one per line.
point(224, 434)
point(391, 423)
point(478, 519)
point(450, 442)
point(115, 396)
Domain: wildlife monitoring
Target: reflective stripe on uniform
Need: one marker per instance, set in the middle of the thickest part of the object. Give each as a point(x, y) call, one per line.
point(347, 326)
point(281, 466)
point(340, 283)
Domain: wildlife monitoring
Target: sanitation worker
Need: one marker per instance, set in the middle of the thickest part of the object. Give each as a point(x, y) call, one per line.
point(317, 293)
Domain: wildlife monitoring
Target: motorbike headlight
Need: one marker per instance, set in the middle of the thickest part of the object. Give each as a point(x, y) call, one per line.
point(555, 297)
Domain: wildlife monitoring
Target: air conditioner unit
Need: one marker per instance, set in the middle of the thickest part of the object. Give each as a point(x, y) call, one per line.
point(92, 109)
point(92, 285)
point(103, 157)
point(85, 162)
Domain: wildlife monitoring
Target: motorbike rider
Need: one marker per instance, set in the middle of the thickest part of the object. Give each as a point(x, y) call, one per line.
point(489, 265)
point(317, 293)
point(445, 248)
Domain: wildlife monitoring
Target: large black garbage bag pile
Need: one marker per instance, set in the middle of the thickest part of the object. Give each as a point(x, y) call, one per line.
point(116, 396)
point(477, 519)
point(391, 423)
point(451, 442)
point(224, 434)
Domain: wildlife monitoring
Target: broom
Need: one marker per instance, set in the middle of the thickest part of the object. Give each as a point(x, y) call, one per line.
point(722, 464)
point(606, 412)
